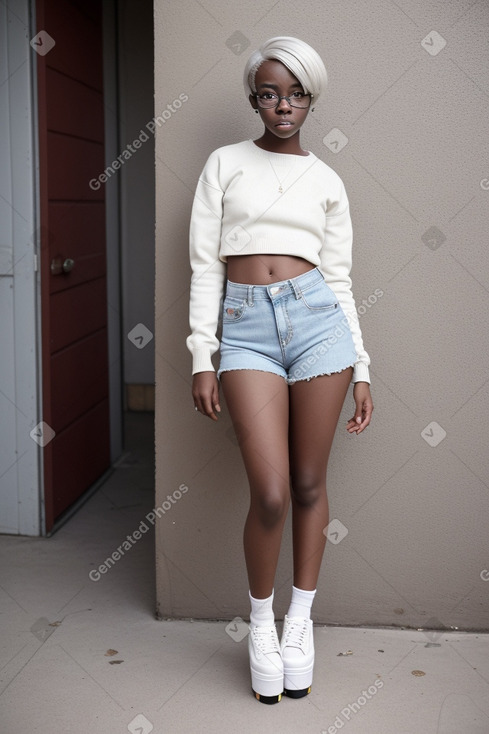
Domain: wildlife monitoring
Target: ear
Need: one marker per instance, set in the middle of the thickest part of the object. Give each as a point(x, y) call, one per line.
point(253, 102)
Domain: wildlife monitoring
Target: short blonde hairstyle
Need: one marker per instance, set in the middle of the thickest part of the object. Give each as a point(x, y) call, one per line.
point(299, 58)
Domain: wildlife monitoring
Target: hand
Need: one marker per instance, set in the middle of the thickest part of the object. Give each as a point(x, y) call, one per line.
point(205, 392)
point(364, 408)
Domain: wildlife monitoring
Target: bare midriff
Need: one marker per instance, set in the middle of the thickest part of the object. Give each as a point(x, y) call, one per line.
point(265, 269)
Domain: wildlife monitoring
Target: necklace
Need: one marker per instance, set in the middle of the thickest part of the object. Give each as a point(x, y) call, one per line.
point(280, 181)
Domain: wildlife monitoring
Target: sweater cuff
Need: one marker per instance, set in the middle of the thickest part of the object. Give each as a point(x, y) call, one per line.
point(361, 373)
point(202, 361)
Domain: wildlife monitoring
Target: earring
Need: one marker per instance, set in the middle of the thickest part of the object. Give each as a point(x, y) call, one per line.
point(312, 109)
point(256, 111)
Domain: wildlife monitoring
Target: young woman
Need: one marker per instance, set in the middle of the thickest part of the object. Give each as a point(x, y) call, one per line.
point(270, 250)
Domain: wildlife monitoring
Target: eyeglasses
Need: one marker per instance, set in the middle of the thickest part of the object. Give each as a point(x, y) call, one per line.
point(267, 100)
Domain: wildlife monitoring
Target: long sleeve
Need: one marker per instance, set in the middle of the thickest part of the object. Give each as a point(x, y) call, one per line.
point(208, 272)
point(336, 262)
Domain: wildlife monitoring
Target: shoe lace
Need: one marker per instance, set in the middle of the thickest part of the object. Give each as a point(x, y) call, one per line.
point(265, 638)
point(295, 633)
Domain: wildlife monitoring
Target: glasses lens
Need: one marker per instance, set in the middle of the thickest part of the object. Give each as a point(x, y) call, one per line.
point(267, 100)
point(302, 101)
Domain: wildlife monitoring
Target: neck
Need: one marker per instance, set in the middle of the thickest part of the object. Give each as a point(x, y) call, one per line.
point(272, 143)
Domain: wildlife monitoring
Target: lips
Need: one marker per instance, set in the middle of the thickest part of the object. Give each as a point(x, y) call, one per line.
point(284, 123)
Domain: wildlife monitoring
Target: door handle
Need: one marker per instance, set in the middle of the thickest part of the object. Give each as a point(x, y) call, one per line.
point(60, 266)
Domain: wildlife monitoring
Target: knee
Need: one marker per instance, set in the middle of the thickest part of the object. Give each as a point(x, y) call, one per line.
point(308, 489)
point(271, 506)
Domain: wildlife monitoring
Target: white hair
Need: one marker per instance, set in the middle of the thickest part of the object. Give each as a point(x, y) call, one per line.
point(299, 58)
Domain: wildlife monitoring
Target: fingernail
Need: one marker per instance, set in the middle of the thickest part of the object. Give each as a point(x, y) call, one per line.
point(218, 408)
point(359, 420)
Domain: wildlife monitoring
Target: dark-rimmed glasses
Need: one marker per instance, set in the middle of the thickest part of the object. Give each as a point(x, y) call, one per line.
point(267, 100)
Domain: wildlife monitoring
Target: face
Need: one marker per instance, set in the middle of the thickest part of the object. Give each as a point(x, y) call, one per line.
point(282, 121)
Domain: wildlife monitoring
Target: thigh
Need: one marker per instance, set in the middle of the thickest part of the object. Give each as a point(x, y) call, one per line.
point(315, 407)
point(258, 403)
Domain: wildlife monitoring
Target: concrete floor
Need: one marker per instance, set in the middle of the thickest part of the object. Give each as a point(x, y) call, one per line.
point(86, 656)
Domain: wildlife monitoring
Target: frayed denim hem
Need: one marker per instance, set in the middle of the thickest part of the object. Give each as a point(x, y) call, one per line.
point(308, 378)
point(289, 381)
point(248, 369)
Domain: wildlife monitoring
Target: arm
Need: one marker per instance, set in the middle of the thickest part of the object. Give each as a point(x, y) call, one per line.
point(206, 287)
point(336, 262)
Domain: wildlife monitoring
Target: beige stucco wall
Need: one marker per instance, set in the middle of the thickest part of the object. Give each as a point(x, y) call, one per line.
point(415, 167)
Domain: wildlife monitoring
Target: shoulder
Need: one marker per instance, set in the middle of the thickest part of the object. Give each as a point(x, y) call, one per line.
point(328, 173)
point(330, 182)
point(223, 163)
point(225, 153)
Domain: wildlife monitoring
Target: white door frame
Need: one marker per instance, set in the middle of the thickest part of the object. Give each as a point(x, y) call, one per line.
point(21, 467)
point(20, 470)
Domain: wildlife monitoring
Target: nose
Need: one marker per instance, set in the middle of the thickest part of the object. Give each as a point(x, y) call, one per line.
point(283, 105)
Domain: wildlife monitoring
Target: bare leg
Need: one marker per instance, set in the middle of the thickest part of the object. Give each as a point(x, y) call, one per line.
point(315, 407)
point(258, 403)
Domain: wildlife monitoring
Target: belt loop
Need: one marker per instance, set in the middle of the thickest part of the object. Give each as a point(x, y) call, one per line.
point(250, 295)
point(296, 288)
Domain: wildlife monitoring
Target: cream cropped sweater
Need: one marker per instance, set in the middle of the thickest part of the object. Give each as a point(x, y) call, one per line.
point(251, 201)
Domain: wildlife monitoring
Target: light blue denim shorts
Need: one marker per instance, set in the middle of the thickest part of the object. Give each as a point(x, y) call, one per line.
point(293, 328)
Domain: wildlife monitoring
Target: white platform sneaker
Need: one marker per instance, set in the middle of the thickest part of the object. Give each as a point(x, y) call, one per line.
point(267, 670)
point(297, 646)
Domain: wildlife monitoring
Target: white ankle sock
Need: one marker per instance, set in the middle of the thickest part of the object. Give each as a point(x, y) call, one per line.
point(301, 603)
point(261, 611)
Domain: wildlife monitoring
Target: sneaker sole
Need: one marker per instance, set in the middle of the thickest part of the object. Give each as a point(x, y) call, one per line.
point(297, 694)
point(267, 688)
point(297, 683)
point(266, 699)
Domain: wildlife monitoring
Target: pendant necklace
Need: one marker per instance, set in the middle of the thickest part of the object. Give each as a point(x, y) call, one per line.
point(280, 181)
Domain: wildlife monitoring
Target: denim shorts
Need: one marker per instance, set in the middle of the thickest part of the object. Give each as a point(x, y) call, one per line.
point(293, 328)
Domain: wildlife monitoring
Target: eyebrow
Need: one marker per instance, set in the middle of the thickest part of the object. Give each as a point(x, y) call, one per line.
point(275, 86)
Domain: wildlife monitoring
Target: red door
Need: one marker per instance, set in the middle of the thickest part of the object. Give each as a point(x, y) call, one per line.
point(73, 258)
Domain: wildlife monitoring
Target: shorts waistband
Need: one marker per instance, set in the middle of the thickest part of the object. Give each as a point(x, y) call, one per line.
point(295, 285)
